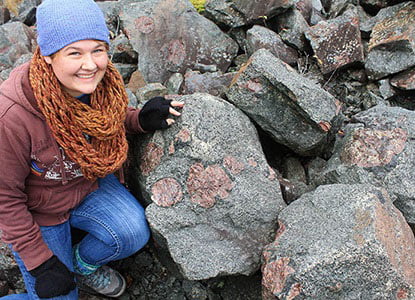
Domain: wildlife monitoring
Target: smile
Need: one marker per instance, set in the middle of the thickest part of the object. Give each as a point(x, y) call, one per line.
point(85, 76)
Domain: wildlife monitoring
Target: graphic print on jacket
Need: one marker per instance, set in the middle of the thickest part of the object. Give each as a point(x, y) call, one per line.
point(52, 170)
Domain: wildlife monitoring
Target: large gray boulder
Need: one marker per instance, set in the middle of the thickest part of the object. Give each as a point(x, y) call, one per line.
point(378, 148)
point(214, 198)
point(170, 36)
point(341, 242)
point(294, 110)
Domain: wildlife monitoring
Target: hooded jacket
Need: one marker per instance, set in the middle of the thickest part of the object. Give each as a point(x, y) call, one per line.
point(39, 184)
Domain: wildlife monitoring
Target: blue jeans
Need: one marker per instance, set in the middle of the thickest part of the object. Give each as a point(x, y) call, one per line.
point(116, 227)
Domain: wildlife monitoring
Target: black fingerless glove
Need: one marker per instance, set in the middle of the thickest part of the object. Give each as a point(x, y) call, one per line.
point(53, 279)
point(154, 113)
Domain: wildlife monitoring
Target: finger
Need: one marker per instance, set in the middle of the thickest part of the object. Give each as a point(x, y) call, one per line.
point(178, 104)
point(170, 122)
point(174, 112)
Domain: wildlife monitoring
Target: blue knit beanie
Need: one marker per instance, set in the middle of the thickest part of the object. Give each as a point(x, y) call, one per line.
point(62, 22)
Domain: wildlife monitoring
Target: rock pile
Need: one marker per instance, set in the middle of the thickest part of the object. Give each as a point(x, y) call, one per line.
point(292, 164)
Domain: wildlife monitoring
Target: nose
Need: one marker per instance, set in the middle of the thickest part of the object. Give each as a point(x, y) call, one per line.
point(88, 62)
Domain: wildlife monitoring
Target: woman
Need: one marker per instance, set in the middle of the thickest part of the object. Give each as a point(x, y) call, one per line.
point(63, 118)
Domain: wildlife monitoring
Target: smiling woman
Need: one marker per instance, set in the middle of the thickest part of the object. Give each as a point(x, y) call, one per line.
point(80, 66)
point(63, 135)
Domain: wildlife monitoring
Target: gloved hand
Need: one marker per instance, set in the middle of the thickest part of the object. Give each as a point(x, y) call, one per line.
point(53, 279)
point(154, 113)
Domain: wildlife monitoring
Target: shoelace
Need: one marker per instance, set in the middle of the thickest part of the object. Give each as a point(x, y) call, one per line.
point(98, 279)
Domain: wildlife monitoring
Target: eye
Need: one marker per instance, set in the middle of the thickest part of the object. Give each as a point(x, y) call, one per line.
point(99, 50)
point(74, 53)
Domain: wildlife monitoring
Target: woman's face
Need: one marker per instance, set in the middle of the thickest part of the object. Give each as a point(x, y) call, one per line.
point(80, 66)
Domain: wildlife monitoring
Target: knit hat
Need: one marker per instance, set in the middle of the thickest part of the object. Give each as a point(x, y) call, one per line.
point(62, 22)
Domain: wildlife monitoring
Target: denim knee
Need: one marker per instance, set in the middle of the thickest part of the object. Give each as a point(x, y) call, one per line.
point(134, 237)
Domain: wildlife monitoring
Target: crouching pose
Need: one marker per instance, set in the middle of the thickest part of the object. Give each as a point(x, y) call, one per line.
point(63, 123)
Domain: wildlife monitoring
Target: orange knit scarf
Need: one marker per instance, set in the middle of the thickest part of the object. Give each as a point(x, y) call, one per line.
point(69, 119)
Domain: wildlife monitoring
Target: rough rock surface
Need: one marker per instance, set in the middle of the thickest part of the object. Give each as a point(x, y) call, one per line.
point(292, 27)
point(392, 41)
point(9, 271)
point(404, 80)
point(292, 109)
point(214, 199)
point(378, 148)
point(341, 242)
point(336, 43)
point(16, 39)
point(237, 13)
point(165, 49)
point(212, 83)
point(261, 37)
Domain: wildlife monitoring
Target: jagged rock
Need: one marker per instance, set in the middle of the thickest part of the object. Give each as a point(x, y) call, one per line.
point(294, 181)
point(111, 10)
point(337, 7)
point(174, 83)
point(378, 148)
point(336, 43)
point(238, 34)
point(341, 242)
point(261, 37)
point(405, 80)
point(126, 70)
point(291, 28)
point(9, 271)
point(236, 13)
point(214, 199)
point(211, 83)
point(391, 45)
point(16, 39)
point(150, 90)
point(304, 7)
point(376, 5)
point(4, 15)
point(136, 81)
point(385, 89)
point(293, 169)
point(291, 108)
point(122, 52)
point(314, 167)
point(312, 10)
point(22, 10)
point(165, 49)
point(366, 22)
point(132, 99)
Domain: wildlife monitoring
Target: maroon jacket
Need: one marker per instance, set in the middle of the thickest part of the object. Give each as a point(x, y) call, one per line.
point(39, 185)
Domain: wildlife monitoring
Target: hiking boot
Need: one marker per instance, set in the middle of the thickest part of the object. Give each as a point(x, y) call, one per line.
point(104, 281)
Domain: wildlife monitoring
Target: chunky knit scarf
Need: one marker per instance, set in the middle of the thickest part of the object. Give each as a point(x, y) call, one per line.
point(70, 119)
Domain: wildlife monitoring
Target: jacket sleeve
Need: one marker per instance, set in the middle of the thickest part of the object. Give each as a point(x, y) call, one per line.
point(132, 125)
point(16, 222)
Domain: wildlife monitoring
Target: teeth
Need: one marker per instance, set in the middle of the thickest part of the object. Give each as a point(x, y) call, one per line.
point(85, 76)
